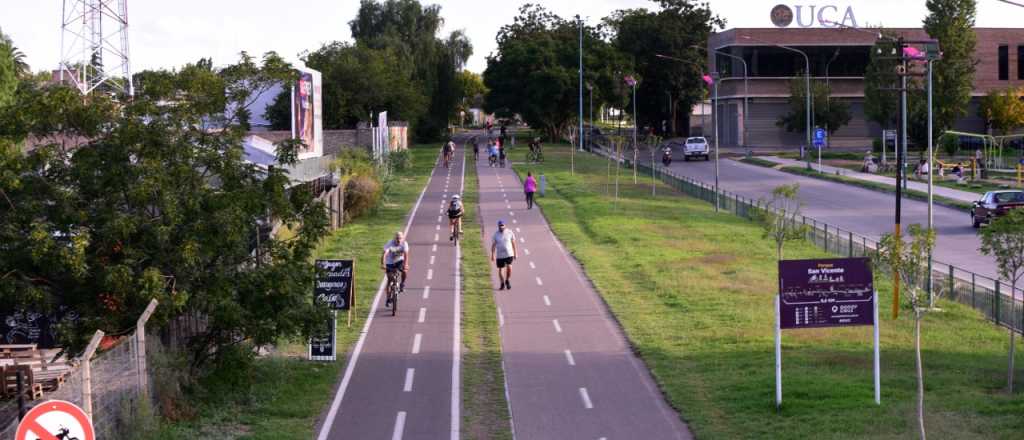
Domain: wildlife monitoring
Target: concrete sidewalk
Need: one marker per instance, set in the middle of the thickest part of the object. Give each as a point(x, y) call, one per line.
point(955, 194)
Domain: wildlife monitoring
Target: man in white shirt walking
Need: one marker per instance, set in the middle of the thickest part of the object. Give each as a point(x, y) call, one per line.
point(503, 252)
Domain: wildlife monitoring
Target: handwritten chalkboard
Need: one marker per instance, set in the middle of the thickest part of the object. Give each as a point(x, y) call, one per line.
point(322, 344)
point(23, 326)
point(334, 284)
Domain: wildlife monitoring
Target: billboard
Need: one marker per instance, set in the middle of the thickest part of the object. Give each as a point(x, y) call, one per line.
point(307, 112)
point(826, 293)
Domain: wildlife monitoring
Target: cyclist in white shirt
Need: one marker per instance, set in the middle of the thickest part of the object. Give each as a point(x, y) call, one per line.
point(503, 252)
point(396, 257)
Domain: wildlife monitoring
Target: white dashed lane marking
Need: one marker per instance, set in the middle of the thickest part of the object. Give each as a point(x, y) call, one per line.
point(430, 274)
point(586, 399)
point(527, 251)
point(432, 259)
point(409, 373)
point(558, 327)
point(399, 426)
point(532, 266)
point(423, 315)
point(426, 292)
point(547, 301)
point(539, 282)
point(433, 249)
point(416, 340)
point(569, 358)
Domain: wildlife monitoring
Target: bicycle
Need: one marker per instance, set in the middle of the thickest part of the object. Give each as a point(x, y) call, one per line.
point(535, 156)
point(457, 235)
point(393, 289)
point(447, 160)
point(492, 161)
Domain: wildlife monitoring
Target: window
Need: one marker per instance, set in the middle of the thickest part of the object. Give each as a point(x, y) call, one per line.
point(1004, 63)
point(1020, 62)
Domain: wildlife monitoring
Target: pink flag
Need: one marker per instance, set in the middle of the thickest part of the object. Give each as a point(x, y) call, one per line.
point(911, 52)
point(708, 79)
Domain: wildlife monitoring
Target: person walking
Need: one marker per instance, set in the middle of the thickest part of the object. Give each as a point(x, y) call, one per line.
point(529, 187)
point(503, 253)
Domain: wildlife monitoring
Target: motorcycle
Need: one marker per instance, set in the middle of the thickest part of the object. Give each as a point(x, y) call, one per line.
point(666, 158)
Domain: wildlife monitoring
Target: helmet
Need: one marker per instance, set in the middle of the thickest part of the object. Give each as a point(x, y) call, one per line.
point(456, 197)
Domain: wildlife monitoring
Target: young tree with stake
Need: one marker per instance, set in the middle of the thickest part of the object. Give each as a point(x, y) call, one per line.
point(1004, 240)
point(778, 217)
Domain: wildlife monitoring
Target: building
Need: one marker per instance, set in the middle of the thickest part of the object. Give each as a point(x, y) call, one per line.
point(838, 56)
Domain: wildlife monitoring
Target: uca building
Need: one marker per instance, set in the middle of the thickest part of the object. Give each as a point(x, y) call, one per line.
point(837, 50)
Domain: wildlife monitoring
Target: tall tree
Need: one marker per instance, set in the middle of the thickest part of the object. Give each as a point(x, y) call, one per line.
point(881, 106)
point(21, 68)
point(670, 88)
point(1003, 110)
point(952, 23)
point(830, 114)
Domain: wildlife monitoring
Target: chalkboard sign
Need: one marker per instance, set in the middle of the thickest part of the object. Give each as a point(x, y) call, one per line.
point(322, 346)
point(334, 284)
point(23, 326)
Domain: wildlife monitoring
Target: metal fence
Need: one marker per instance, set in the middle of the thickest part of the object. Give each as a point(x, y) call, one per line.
point(990, 296)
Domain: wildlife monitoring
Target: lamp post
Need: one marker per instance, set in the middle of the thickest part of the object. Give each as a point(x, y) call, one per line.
point(712, 80)
point(828, 98)
point(746, 85)
point(580, 21)
point(807, 74)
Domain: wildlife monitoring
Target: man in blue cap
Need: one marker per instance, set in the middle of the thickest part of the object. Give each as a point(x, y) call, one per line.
point(503, 252)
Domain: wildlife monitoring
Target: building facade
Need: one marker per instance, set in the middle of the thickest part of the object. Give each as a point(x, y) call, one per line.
point(838, 57)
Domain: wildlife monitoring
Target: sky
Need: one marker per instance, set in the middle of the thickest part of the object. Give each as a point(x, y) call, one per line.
point(168, 34)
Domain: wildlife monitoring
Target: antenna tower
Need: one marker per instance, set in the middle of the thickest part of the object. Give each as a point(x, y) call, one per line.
point(94, 55)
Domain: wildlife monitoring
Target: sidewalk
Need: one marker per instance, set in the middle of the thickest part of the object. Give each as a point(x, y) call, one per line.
point(955, 194)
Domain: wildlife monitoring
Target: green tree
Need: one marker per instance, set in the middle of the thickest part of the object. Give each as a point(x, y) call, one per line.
point(21, 68)
point(1004, 241)
point(535, 71)
point(1003, 109)
point(910, 262)
point(673, 30)
point(779, 217)
point(880, 105)
point(155, 200)
point(952, 23)
point(829, 114)
point(10, 57)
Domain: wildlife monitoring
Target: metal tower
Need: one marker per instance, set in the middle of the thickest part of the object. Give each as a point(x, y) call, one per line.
point(92, 56)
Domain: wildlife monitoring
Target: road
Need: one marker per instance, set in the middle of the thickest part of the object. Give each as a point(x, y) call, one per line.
point(570, 371)
point(402, 379)
point(862, 211)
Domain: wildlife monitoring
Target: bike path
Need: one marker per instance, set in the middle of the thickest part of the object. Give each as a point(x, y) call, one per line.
point(402, 379)
point(570, 371)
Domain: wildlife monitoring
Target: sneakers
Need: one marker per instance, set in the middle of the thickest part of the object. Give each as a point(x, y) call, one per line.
point(401, 288)
point(387, 303)
point(451, 237)
point(508, 284)
point(501, 285)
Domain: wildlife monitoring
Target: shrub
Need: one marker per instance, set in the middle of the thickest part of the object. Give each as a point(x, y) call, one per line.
point(400, 160)
point(876, 145)
point(362, 193)
point(949, 144)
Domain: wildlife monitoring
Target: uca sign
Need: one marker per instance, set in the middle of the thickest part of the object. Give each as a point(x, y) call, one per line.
point(808, 15)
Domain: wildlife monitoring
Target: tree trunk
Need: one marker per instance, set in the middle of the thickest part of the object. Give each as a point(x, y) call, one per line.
point(1013, 343)
point(920, 373)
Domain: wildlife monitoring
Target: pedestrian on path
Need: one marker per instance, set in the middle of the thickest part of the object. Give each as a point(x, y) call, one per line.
point(503, 252)
point(529, 187)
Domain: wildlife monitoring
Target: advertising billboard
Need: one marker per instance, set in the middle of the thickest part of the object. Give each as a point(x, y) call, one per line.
point(307, 112)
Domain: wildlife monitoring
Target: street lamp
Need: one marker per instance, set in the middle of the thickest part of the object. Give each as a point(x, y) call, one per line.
point(828, 97)
point(712, 80)
point(807, 74)
point(746, 88)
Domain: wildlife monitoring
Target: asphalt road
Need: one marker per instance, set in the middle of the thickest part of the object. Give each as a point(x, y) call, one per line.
point(862, 211)
point(570, 372)
point(402, 379)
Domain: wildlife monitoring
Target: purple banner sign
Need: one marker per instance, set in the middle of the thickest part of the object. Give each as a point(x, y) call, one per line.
point(826, 293)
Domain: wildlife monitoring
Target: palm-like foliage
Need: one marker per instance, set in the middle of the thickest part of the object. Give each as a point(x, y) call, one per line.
point(9, 50)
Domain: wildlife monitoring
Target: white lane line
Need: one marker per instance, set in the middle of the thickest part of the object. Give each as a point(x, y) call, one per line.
point(540, 282)
point(437, 237)
point(586, 399)
point(399, 426)
point(426, 292)
point(514, 221)
point(416, 340)
point(430, 274)
point(558, 328)
point(547, 301)
point(569, 358)
point(423, 315)
point(409, 372)
point(532, 266)
point(513, 214)
point(501, 318)
point(438, 228)
point(325, 429)
point(522, 239)
point(434, 248)
point(439, 219)
point(527, 251)
point(432, 259)
point(517, 230)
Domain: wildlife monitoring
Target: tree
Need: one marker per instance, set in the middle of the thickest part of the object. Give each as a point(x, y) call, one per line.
point(910, 262)
point(779, 216)
point(1003, 109)
point(952, 23)
point(535, 71)
point(880, 105)
point(156, 201)
point(472, 91)
point(21, 68)
point(674, 30)
point(1004, 240)
point(829, 114)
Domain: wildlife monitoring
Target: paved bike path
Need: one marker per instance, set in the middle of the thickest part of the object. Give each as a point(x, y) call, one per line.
point(402, 379)
point(570, 372)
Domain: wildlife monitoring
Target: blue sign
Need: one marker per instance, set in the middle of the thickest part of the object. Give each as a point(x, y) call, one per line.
point(819, 137)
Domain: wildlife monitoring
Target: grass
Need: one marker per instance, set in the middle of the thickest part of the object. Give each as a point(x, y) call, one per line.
point(759, 162)
point(289, 392)
point(485, 411)
point(693, 292)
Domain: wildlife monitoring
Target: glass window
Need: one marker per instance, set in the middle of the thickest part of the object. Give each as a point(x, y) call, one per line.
point(1004, 63)
point(1020, 62)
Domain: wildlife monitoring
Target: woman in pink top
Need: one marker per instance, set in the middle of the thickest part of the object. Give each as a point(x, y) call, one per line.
point(530, 187)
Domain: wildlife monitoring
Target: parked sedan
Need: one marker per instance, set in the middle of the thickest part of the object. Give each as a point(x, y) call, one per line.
point(994, 204)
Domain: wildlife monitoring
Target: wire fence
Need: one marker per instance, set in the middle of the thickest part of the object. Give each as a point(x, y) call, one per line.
point(991, 297)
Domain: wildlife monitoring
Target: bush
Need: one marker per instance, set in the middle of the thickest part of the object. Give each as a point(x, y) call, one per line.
point(949, 144)
point(362, 194)
point(876, 145)
point(400, 160)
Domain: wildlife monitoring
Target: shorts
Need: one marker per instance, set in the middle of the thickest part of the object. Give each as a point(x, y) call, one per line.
point(398, 265)
point(502, 262)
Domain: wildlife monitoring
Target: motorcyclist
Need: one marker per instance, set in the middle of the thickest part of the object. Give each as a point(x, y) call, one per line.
point(666, 156)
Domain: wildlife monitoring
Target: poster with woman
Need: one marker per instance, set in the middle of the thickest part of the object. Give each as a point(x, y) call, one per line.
point(306, 113)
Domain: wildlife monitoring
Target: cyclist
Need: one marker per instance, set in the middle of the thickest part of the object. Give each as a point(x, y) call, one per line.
point(396, 258)
point(535, 149)
point(501, 155)
point(476, 148)
point(448, 150)
point(492, 153)
point(455, 216)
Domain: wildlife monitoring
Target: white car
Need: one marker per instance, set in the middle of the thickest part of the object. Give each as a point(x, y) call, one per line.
point(696, 147)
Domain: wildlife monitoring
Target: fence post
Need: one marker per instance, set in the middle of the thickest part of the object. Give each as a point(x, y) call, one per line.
point(995, 300)
point(952, 281)
point(140, 336)
point(826, 237)
point(973, 290)
point(90, 350)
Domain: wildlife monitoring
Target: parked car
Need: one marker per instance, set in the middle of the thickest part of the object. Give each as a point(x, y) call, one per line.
point(696, 147)
point(994, 204)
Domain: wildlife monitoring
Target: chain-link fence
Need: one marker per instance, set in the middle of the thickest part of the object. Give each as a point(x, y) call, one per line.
point(990, 296)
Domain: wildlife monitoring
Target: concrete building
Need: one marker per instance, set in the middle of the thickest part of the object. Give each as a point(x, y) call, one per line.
point(839, 57)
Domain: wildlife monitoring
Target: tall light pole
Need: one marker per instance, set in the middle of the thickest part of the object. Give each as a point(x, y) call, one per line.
point(828, 98)
point(807, 75)
point(712, 80)
point(580, 20)
point(746, 84)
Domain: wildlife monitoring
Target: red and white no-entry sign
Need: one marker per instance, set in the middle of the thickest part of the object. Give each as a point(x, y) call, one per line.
point(55, 420)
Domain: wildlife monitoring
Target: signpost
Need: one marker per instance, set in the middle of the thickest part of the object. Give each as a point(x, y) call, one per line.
point(825, 293)
point(819, 143)
point(889, 138)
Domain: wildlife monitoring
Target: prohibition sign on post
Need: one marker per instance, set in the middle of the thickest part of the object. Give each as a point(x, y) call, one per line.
point(53, 418)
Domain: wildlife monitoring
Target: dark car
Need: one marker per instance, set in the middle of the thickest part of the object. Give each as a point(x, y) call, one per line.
point(994, 204)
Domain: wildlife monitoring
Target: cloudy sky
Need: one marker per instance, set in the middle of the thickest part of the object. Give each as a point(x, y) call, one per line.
point(172, 33)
